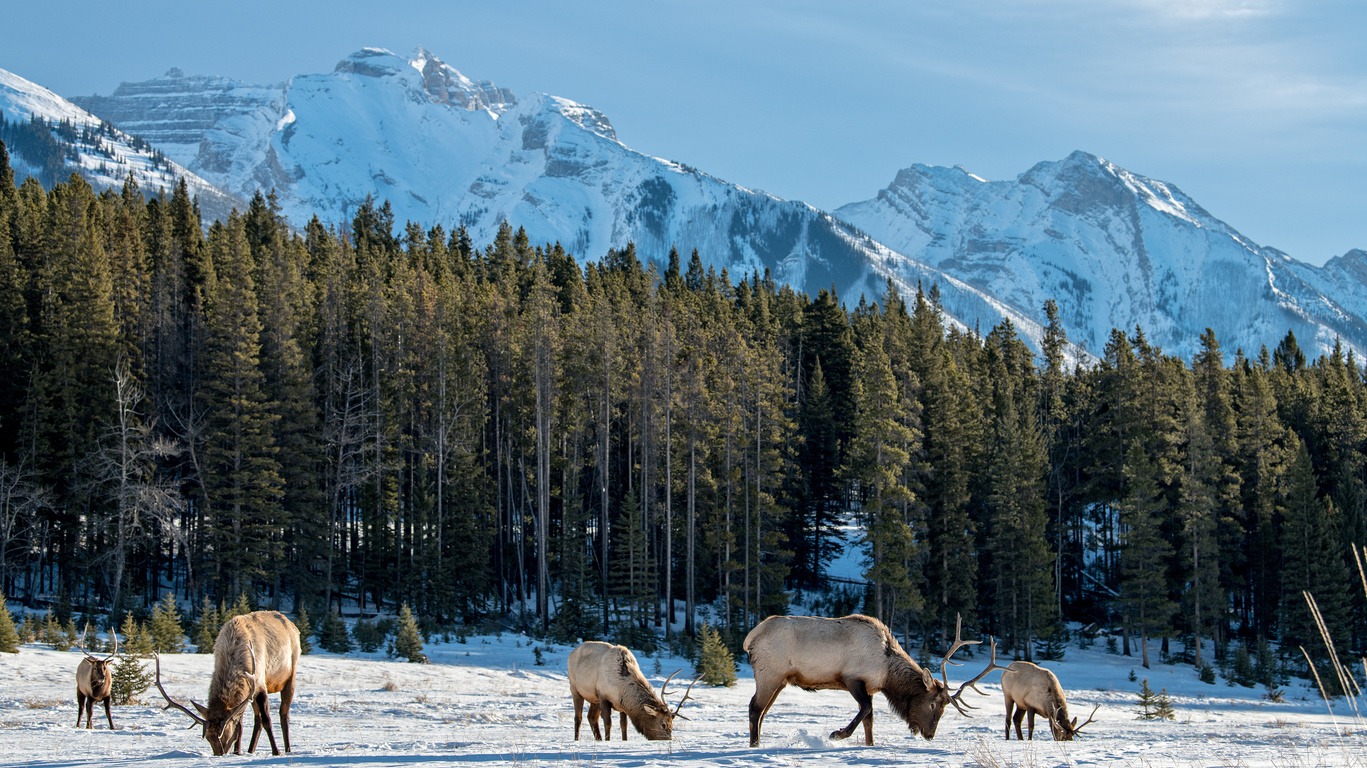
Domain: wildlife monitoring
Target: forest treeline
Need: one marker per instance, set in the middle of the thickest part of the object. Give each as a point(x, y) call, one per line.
point(380, 416)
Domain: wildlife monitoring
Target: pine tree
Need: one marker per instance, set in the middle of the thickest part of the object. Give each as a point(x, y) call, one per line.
point(1144, 591)
point(333, 635)
point(207, 627)
point(1154, 705)
point(167, 634)
point(305, 626)
point(9, 636)
point(407, 638)
point(131, 676)
point(716, 664)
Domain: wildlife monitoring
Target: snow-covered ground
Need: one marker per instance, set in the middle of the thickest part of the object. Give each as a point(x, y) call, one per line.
point(486, 702)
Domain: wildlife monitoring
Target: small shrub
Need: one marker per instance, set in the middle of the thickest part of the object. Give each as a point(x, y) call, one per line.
point(1207, 674)
point(1154, 706)
point(333, 635)
point(539, 656)
point(369, 637)
point(716, 663)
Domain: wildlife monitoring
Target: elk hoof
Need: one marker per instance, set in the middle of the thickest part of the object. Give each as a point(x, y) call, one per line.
point(840, 734)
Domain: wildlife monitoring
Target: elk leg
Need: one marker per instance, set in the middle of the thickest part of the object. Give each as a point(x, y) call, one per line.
point(1009, 706)
point(1030, 718)
point(578, 712)
point(1017, 718)
point(262, 704)
point(861, 695)
point(286, 696)
point(759, 707)
point(605, 712)
point(595, 714)
point(623, 717)
point(107, 715)
point(80, 707)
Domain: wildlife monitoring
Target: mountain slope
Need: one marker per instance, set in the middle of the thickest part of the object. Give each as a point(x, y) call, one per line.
point(445, 149)
point(1114, 249)
point(50, 138)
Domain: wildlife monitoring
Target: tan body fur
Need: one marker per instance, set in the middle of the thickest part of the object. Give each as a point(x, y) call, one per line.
point(1030, 689)
point(607, 677)
point(94, 684)
point(255, 655)
point(853, 653)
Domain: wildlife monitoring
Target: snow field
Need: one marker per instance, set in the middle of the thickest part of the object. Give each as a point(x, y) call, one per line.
point(485, 702)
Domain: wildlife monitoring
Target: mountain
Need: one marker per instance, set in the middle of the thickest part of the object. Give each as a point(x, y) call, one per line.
point(50, 138)
point(442, 148)
point(1115, 249)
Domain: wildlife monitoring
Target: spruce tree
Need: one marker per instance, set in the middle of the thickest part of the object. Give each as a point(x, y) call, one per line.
point(9, 636)
point(333, 634)
point(716, 664)
point(207, 626)
point(305, 627)
point(131, 676)
point(168, 636)
point(407, 637)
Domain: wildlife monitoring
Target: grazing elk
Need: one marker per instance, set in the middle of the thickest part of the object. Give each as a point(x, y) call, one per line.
point(255, 655)
point(94, 684)
point(607, 677)
point(856, 654)
point(1029, 689)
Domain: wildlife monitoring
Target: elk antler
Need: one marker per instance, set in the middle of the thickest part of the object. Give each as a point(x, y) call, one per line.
point(686, 697)
point(957, 698)
point(170, 702)
point(1090, 717)
point(81, 644)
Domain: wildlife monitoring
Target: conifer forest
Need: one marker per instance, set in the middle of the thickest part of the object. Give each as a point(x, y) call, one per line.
point(595, 446)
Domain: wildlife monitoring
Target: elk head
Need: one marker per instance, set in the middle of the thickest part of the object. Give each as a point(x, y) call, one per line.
point(1064, 729)
point(220, 724)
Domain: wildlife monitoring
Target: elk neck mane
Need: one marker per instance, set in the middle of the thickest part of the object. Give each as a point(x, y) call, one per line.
point(905, 683)
point(635, 696)
point(232, 682)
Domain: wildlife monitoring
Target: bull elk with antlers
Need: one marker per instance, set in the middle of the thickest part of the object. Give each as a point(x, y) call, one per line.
point(1029, 689)
point(857, 654)
point(607, 677)
point(255, 655)
point(94, 684)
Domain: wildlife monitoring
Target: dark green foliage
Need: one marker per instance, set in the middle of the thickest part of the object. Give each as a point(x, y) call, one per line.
point(716, 664)
point(305, 626)
point(1207, 674)
point(333, 635)
point(407, 639)
point(368, 635)
point(1154, 706)
point(131, 675)
point(207, 626)
point(9, 636)
point(167, 634)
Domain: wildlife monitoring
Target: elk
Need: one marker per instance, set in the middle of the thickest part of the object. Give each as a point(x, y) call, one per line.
point(254, 655)
point(857, 654)
point(607, 677)
point(1029, 689)
point(94, 684)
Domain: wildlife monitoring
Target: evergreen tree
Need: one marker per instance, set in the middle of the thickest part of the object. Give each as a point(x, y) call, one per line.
point(167, 634)
point(1311, 563)
point(716, 665)
point(131, 677)
point(305, 627)
point(9, 636)
point(1144, 592)
point(407, 638)
point(333, 635)
point(242, 479)
point(207, 626)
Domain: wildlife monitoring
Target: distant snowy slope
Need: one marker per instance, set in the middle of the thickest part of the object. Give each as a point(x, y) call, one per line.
point(1114, 249)
point(71, 140)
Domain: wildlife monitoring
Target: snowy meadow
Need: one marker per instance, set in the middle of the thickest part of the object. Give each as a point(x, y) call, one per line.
point(486, 701)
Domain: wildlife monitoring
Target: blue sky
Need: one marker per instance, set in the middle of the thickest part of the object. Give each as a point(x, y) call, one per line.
point(1255, 108)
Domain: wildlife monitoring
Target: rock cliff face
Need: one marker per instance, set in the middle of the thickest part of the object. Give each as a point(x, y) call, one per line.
point(1114, 249)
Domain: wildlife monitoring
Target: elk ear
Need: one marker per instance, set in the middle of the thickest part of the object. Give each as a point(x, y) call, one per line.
point(1074, 723)
point(203, 710)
